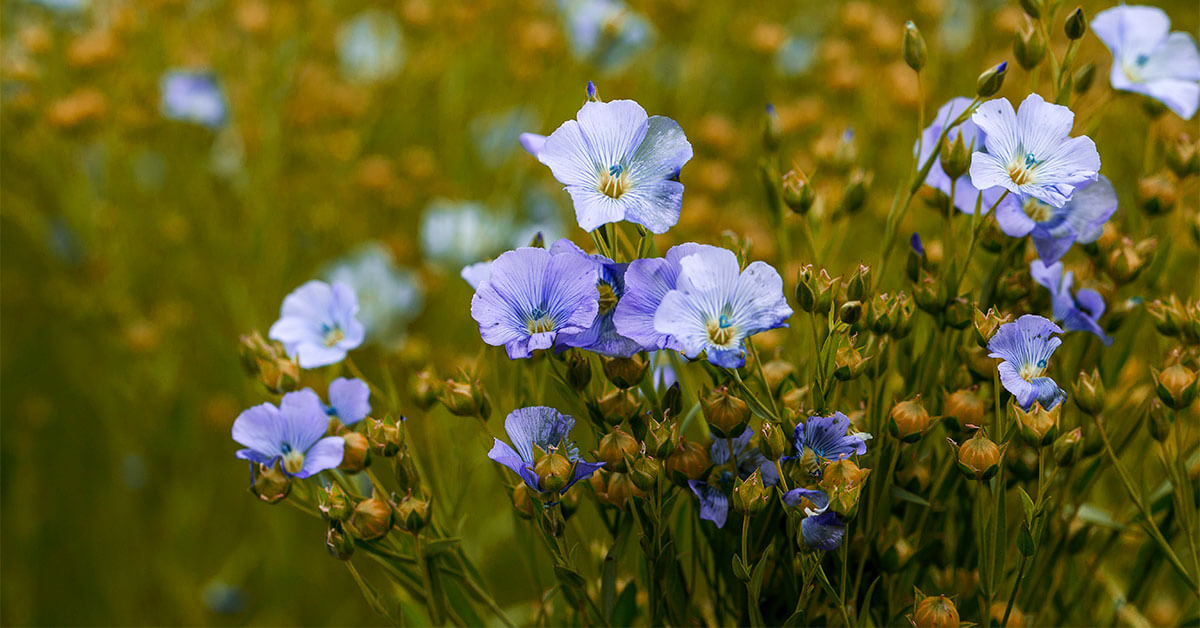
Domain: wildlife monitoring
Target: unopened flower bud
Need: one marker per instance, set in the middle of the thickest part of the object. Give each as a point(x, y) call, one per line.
point(979, 458)
point(935, 612)
point(798, 192)
point(902, 317)
point(908, 420)
point(1183, 156)
point(1029, 48)
point(371, 519)
point(854, 196)
point(620, 488)
point(881, 314)
point(671, 401)
point(424, 389)
point(726, 413)
point(1067, 448)
point(1176, 386)
point(1169, 316)
point(412, 513)
point(1033, 8)
point(825, 288)
point(772, 441)
point(333, 503)
point(405, 472)
point(522, 501)
point(385, 437)
point(772, 130)
point(554, 470)
point(618, 405)
point(915, 51)
point(1089, 392)
point(688, 461)
point(850, 312)
point(626, 372)
point(987, 324)
point(659, 441)
point(962, 408)
point(991, 80)
point(339, 544)
point(956, 156)
point(1157, 194)
point(958, 313)
point(1076, 24)
point(848, 363)
point(749, 495)
point(615, 447)
point(931, 295)
point(357, 453)
point(270, 483)
point(843, 481)
point(1038, 425)
point(645, 472)
point(1161, 418)
point(806, 296)
point(859, 284)
point(465, 398)
point(579, 370)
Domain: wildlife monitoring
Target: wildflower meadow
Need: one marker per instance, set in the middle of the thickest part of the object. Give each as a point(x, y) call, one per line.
point(600, 313)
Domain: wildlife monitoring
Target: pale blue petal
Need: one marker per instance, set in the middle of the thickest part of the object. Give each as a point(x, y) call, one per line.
point(714, 504)
point(350, 399)
point(324, 454)
point(304, 418)
point(261, 429)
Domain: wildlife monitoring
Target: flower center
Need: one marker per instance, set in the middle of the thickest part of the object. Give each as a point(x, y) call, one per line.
point(1021, 170)
point(1133, 71)
point(1029, 372)
point(539, 321)
point(293, 460)
point(332, 336)
point(614, 182)
point(608, 298)
point(1037, 210)
point(721, 331)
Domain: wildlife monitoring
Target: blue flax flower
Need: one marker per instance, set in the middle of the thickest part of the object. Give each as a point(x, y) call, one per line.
point(532, 296)
point(389, 296)
point(647, 281)
point(1079, 312)
point(606, 33)
point(826, 437)
point(714, 307)
point(601, 337)
point(619, 164)
point(349, 400)
point(1030, 152)
point(1055, 229)
point(822, 529)
point(193, 96)
point(546, 428)
point(291, 434)
point(318, 323)
point(714, 499)
point(1025, 346)
point(965, 194)
point(1150, 60)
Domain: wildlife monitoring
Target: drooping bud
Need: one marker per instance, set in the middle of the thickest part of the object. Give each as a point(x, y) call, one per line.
point(1029, 48)
point(688, 461)
point(915, 51)
point(749, 495)
point(522, 501)
point(1038, 425)
point(1076, 24)
point(645, 472)
point(979, 458)
point(798, 192)
point(554, 470)
point(848, 363)
point(618, 405)
point(991, 80)
point(772, 130)
point(1089, 392)
point(908, 420)
point(424, 389)
point(725, 413)
point(270, 484)
point(1161, 418)
point(843, 481)
point(371, 519)
point(1067, 448)
point(626, 372)
point(615, 447)
point(356, 454)
point(935, 612)
point(962, 408)
point(956, 156)
point(579, 370)
point(987, 324)
point(412, 513)
point(333, 503)
point(339, 544)
point(772, 441)
point(1176, 386)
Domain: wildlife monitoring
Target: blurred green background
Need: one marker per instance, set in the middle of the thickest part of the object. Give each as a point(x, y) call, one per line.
point(137, 248)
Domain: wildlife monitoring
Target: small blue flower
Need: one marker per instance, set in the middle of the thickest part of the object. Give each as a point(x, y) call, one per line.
point(714, 501)
point(822, 529)
point(532, 296)
point(1055, 229)
point(619, 164)
point(291, 434)
point(1030, 152)
point(714, 307)
point(1025, 346)
point(388, 296)
point(827, 438)
point(547, 429)
point(606, 33)
point(965, 194)
point(1148, 59)
point(349, 400)
point(601, 337)
point(193, 96)
point(647, 281)
point(1077, 313)
point(317, 323)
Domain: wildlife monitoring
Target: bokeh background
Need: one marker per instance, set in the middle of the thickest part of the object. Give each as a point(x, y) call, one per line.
point(374, 142)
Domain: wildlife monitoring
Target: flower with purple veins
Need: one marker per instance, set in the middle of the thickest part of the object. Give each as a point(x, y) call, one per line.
point(293, 433)
point(1030, 152)
point(349, 400)
point(1025, 346)
point(617, 163)
point(827, 438)
point(715, 306)
point(602, 336)
point(534, 295)
point(822, 529)
point(193, 96)
point(647, 281)
point(714, 502)
point(1055, 229)
point(965, 194)
point(1150, 60)
point(544, 428)
point(318, 323)
point(1077, 313)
